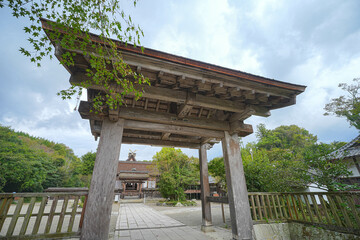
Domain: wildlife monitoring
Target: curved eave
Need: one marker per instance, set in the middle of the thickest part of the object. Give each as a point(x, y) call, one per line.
point(158, 55)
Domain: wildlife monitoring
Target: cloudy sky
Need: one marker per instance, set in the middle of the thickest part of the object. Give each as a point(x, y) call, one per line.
point(312, 43)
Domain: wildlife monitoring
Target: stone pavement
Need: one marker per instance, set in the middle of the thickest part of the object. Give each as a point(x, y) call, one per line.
point(137, 221)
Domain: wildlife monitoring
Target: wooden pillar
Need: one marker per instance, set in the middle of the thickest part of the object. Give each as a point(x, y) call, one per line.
point(205, 190)
point(241, 222)
point(101, 192)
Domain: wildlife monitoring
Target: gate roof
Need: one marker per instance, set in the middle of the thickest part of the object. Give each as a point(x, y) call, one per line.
point(188, 103)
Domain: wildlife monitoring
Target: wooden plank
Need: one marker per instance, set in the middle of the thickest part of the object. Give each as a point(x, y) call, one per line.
point(284, 207)
point(294, 206)
point(218, 199)
point(241, 128)
point(259, 207)
point(205, 189)
point(27, 216)
point(270, 208)
point(264, 206)
point(39, 216)
point(14, 219)
point(301, 206)
point(289, 207)
point(169, 95)
point(101, 193)
point(333, 210)
point(4, 210)
point(343, 211)
point(73, 214)
point(182, 130)
point(280, 208)
point(253, 207)
point(317, 213)
point(156, 117)
point(83, 211)
point(356, 213)
point(240, 116)
point(165, 136)
point(308, 207)
point(62, 214)
point(241, 222)
point(153, 142)
point(323, 204)
point(51, 215)
point(49, 194)
point(274, 204)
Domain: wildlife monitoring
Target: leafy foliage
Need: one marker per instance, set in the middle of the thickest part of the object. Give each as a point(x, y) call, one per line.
point(347, 106)
point(287, 158)
point(324, 171)
point(88, 162)
point(72, 21)
point(30, 164)
point(177, 171)
point(290, 137)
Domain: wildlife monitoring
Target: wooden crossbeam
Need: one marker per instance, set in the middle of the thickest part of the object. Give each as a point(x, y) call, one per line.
point(152, 142)
point(182, 130)
point(156, 117)
point(169, 95)
point(165, 136)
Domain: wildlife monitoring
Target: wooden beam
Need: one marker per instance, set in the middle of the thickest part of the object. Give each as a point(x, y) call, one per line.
point(218, 199)
point(205, 190)
point(152, 142)
point(241, 129)
point(101, 193)
point(156, 117)
point(184, 110)
point(159, 127)
point(169, 95)
point(241, 222)
point(165, 136)
point(173, 68)
point(242, 116)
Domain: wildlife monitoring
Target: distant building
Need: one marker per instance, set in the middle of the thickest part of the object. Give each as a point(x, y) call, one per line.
point(139, 178)
point(136, 178)
point(350, 153)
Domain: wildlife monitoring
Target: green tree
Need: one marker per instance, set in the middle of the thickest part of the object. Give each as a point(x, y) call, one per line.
point(177, 171)
point(216, 169)
point(71, 24)
point(290, 137)
point(87, 163)
point(30, 164)
point(87, 167)
point(323, 171)
point(287, 158)
point(347, 106)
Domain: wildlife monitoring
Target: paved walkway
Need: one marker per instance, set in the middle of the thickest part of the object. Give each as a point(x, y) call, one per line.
point(137, 221)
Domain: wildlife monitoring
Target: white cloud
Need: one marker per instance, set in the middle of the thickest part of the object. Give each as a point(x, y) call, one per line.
point(314, 43)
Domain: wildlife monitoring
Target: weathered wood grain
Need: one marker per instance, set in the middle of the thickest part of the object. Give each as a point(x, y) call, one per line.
point(241, 222)
point(27, 216)
point(205, 189)
point(39, 216)
point(101, 192)
point(15, 217)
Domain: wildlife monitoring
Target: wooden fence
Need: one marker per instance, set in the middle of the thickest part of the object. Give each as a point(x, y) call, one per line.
point(338, 211)
point(41, 215)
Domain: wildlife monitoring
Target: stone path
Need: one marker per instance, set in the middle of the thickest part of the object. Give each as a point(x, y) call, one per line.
point(137, 221)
